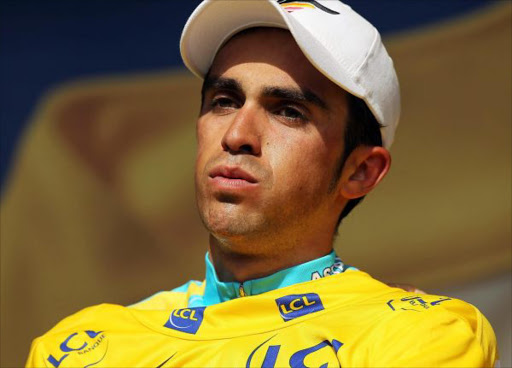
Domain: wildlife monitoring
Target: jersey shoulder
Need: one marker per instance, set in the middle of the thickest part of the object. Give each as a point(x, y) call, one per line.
point(403, 329)
point(80, 331)
point(396, 304)
point(83, 332)
point(402, 305)
point(432, 328)
point(179, 297)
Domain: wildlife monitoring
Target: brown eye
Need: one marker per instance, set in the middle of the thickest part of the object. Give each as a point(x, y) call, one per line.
point(223, 103)
point(290, 113)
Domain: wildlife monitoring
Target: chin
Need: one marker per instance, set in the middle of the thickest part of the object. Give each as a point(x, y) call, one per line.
point(230, 222)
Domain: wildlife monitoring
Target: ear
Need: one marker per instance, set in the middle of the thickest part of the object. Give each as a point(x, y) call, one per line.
point(364, 169)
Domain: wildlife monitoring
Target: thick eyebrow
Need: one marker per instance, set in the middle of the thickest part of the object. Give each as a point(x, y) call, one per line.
point(293, 94)
point(220, 83)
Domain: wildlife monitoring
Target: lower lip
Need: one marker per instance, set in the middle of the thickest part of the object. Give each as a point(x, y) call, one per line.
point(229, 183)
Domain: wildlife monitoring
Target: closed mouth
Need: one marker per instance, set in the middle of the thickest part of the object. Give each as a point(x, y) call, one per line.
point(233, 173)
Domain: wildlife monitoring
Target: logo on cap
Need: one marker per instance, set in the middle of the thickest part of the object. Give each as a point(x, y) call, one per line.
point(297, 305)
point(292, 5)
point(186, 320)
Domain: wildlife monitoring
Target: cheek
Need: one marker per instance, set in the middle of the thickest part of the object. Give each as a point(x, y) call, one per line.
point(207, 141)
point(201, 136)
point(302, 166)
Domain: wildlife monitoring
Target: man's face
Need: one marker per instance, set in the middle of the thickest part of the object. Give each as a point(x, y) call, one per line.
point(270, 135)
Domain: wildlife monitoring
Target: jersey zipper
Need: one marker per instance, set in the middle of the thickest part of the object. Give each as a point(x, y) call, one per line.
point(241, 290)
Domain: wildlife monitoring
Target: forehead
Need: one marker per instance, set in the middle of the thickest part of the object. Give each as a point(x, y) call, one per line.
point(271, 55)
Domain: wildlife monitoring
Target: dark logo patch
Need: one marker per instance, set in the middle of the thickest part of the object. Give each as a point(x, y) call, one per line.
point(297, 305)
point(186, 320)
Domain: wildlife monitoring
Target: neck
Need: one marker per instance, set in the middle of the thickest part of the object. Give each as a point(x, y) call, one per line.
point(240, 262)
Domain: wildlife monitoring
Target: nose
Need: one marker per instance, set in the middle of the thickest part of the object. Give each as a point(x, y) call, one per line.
point(243, 135)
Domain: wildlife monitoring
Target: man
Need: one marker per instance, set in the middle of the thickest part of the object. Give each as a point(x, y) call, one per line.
point(299, 106)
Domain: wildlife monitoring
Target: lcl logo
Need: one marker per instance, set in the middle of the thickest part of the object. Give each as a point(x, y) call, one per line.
point(78, 342)
point(186, 313)
point(297, 305)
point(186, 320)
point(322, 354)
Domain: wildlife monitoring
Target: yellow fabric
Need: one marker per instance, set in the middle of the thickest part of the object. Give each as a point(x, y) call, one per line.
point(348, 319)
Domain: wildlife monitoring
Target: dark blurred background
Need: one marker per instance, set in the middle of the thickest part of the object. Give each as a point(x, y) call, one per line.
point(97, 149)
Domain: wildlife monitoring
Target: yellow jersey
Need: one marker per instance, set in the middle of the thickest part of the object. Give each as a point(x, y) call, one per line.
point(347, 319)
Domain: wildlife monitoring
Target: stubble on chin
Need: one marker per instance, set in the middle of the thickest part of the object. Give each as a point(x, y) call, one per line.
point(226, 220)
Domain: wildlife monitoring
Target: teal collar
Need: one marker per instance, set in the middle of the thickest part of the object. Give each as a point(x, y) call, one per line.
point(217, 291)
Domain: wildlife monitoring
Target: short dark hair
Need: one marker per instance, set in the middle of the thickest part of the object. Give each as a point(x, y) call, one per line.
point(362, 128)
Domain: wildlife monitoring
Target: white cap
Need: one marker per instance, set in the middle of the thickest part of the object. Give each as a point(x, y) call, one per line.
point(337, 41)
